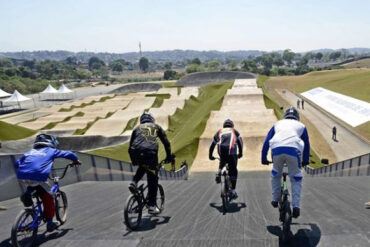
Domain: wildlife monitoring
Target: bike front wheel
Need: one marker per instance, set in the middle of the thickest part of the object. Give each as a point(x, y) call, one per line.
point(61, 206)
point(160, 198)
point(132, 212)
point(24, 230)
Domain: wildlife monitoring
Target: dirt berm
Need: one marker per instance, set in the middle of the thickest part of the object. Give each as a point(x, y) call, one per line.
point(75, 143)
point(137, 87)
point(205, 78)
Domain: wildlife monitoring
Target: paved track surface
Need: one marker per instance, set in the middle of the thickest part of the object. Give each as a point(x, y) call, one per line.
point(333, 214)
point(347, 145)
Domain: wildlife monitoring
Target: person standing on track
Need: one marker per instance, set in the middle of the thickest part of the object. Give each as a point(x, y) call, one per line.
point(143, 152)
point(288, 139)
point(229, 142)
point(33, 169)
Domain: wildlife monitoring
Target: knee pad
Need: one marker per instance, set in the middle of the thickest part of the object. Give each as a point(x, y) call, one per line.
point(274, 173)
point(298, 177)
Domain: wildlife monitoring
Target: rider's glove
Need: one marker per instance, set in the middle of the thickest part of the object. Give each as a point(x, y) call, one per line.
point(304, 164)
point(76, 163)
point(211, 157)
point(240, 155)
point(170, 158)
point(265, 162)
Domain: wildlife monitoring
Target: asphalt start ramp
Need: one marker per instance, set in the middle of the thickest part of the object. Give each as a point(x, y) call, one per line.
point(243, 104)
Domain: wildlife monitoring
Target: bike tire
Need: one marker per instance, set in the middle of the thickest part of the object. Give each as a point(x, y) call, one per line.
point(160, 198)
point(224, 201)
point(61, 206)
point(286, 223)
point(21, 217)
point(132, 204)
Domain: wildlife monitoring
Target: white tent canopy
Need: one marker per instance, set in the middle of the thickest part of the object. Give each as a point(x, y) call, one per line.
point(16, 97)
point(4, 94)
point(64, 89)
point(50, 89)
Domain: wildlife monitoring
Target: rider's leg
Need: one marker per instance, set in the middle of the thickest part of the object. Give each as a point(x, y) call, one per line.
point(49, 207)
point(233, 171)
point(295, 176)
point(138, 175)
point(152, 176)
point(276, 173)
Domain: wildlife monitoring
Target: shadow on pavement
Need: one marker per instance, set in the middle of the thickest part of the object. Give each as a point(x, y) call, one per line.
point(233, 207)
point(302, 238)
point(149, 223)
point(41, 238)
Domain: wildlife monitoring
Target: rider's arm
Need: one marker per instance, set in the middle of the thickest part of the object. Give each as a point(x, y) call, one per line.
point(65, 154)
point(213, 144)
point(239, 142)
point(19, 161)
point(163, 137)
point(266, 145)
point(306, 149)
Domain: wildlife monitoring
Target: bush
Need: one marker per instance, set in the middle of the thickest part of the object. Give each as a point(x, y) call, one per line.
point(170, 75)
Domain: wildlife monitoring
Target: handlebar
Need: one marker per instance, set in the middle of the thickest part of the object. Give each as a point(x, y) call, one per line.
point(64, 170)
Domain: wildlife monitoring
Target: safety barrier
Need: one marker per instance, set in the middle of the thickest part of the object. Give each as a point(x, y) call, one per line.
point(93, 168)
point(358, 166)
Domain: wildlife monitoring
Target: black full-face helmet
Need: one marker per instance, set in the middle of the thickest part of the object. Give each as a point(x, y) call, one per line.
point(291, 113)
point(45, 140)
point(228, 123)
point(146, 117)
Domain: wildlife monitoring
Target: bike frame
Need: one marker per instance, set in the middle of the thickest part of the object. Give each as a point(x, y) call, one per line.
point(38, 209)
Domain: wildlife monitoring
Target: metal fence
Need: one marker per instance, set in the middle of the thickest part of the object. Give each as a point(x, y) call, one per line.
point(93, 168)
point(358, 166)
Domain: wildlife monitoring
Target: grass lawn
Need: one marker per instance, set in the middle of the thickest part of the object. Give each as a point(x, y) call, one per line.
point(363, 63)
point(185, 126)
point(351, 82)
point(13, 132)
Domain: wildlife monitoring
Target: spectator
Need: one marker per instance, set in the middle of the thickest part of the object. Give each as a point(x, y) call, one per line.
point(302, 104)
point(334, 136)
point(298, 102)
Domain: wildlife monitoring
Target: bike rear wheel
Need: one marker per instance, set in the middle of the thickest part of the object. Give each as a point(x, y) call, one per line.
point(225, 195)
point(287, 216)
point(132, 212)
point(160, 198)
point(61, 206)
point(23, 233)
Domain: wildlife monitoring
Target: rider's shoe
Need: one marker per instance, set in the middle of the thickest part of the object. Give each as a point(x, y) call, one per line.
point(218, 178)
point(234, 195)
point(27, 200)
point(154, 210)
point(274, 204)
point(51, 226)
point(296, 212)
point(132, 186)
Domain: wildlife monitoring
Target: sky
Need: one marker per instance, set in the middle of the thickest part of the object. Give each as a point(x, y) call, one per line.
point(118, 25)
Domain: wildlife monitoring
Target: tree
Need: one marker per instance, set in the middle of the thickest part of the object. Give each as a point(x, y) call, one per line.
point(335, 55)
point(196, 61)
point(288, 56)
point(267, 62)
point(193, 68)
point(232, 65)
point(213, 65)
point(144, 64)
point(278, 61)
point(249, 66)
point(95, 63)
point(71, 60)
point(116, 66)
point(168, 65)
point(318, 56)
point(170, 75)
point(6, 62)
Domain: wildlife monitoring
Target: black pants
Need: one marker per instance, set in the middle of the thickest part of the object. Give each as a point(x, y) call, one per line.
point(232, 160)
point(147, 165)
